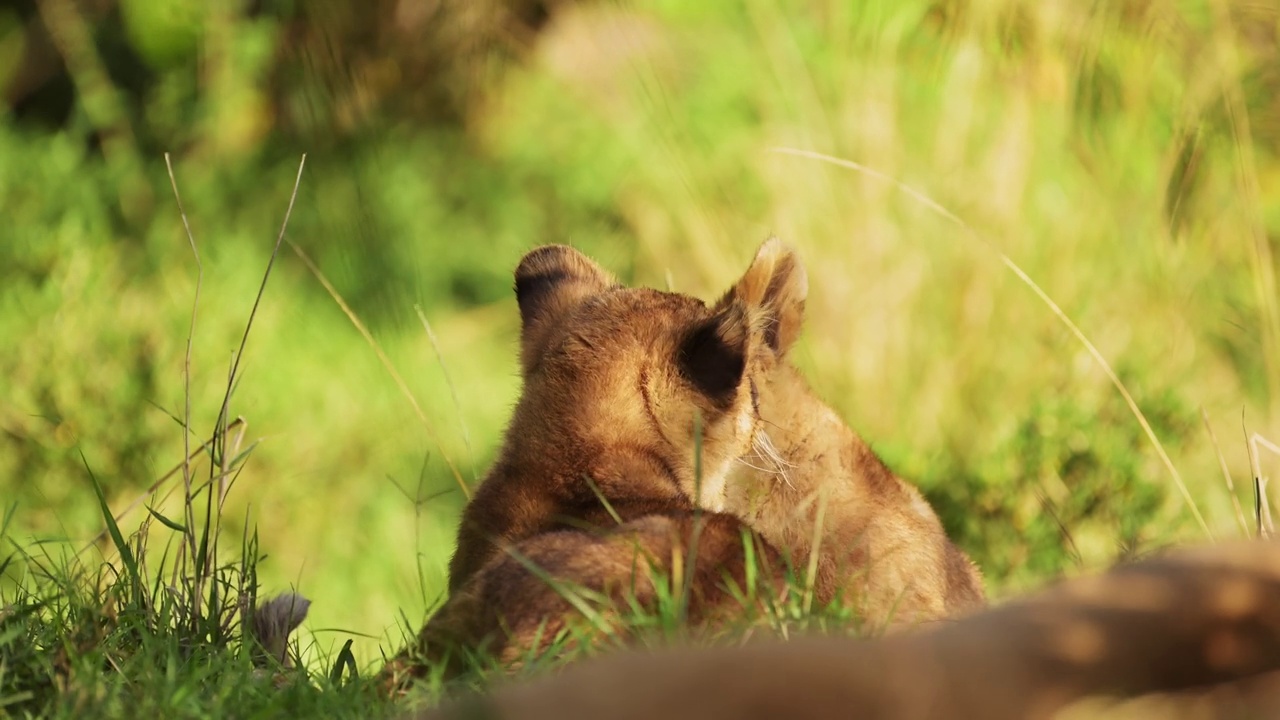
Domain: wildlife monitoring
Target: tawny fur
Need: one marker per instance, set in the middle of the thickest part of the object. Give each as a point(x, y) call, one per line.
point(1204, 624)
point(881, 547)
point(607, 399)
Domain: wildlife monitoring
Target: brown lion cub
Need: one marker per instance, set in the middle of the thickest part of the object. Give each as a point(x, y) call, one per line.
point(620, 385)
point(880, 545)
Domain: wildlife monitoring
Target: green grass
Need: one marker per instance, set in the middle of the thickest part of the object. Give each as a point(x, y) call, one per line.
point(86, 638)
point(1125, 156)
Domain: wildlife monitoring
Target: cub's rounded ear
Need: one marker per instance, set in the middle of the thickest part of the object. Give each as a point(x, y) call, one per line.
point(550, 282)
point(773, 290)
point(713, 355)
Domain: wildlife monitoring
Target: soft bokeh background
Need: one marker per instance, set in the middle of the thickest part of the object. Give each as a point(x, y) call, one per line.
point(1125, 154)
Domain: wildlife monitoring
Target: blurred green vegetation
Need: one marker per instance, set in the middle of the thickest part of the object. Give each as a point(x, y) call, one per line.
point(1125, 154)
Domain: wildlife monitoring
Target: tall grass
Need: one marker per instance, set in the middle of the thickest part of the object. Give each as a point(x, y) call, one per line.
point(160, 621)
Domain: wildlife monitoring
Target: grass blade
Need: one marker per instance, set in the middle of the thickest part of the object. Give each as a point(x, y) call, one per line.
point(346, 660)
point(126, 554)
point(172, 525)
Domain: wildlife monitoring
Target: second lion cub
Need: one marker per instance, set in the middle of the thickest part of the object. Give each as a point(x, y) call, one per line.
point(813, 487)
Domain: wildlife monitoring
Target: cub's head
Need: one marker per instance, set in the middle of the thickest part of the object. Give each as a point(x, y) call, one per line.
point(609, 369)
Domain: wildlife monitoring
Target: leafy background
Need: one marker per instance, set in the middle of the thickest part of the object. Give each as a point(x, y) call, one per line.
point(1124, 154)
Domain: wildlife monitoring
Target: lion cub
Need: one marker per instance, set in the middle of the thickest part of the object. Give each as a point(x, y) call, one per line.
point(880, 544)
point(621, 389)
point(636, 405)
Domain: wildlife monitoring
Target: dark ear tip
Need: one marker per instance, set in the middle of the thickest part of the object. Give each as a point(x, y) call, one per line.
point(551, 265)
point(551, 279)
point(548, 257)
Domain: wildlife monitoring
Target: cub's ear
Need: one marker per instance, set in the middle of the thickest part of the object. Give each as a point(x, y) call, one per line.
point(773, 290)
point(550, 282)
point(713, 355)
